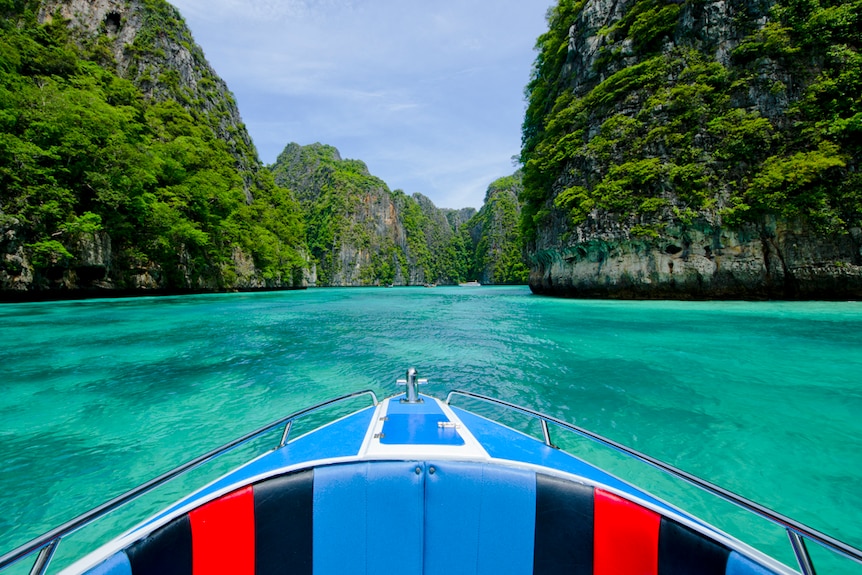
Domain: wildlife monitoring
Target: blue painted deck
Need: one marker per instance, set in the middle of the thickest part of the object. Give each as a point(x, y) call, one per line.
point(418, 424)
point(503, 443)
point(342, 438)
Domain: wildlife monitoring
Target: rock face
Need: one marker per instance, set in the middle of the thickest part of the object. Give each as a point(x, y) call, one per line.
point(497, 254)
point(694, 150)
point(361, 233)
point(127, 168)
point(770, 261)
point(149, 44)
point(92, 269)
point(16, 273)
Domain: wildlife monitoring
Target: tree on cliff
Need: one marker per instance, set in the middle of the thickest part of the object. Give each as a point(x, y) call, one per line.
point(658, 122)
point(85, 153)
point(360, 232)
point(497, 254)
point(663, 114)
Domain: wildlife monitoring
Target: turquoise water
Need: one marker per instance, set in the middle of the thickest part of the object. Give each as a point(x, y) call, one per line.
point(762, 398)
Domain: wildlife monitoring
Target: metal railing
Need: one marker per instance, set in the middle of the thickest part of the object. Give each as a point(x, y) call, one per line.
point(796, 532)
point(45, 545)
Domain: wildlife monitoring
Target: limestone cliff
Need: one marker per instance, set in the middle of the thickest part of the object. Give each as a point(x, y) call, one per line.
point(696, 149)
point(360, 232)
point(124, 164)
point(773, 259)
point(147, 42)
point(497, 251)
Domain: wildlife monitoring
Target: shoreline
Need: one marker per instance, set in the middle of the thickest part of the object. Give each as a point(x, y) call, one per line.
point(12, 297)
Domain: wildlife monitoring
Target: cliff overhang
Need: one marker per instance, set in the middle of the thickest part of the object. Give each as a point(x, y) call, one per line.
point(773, 259)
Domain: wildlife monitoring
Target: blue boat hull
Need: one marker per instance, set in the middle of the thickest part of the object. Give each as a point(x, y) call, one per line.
point(422, 488)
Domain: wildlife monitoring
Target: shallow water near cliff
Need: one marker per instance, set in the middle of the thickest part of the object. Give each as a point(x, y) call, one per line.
point(762, 398)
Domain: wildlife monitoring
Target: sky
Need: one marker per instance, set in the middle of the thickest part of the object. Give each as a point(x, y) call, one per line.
point(428, 93)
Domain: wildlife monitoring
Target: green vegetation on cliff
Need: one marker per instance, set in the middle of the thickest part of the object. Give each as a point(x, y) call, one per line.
point(124, 166)
point(329, 189)
point(497, 254)
point(206, 98)
point(662, 124)
point(85, 153)
point(360, 232)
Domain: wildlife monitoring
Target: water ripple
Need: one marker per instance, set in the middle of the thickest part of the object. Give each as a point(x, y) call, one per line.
point(761, 397)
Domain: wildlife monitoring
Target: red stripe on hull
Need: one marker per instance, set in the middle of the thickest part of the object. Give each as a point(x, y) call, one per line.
point(626, 537)
point(223, 535)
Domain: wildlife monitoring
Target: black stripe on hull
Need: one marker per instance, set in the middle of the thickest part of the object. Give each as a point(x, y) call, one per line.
point(564, 527)
point(283, 515)
point(166, 551)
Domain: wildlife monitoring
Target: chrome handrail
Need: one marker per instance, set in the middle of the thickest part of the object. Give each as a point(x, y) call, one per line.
point(796, 531)
point(47, 543)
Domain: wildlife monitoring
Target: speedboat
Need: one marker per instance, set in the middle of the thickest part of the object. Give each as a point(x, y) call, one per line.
point(414, 484)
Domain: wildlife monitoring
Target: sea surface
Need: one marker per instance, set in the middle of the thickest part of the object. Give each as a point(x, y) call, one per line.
point(761, 398)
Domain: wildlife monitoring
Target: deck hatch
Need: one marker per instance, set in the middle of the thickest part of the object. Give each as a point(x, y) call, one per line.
point(418, 424)
point(419, 429)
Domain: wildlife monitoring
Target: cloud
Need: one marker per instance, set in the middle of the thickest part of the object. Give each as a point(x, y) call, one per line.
point(428, 94)
point(402, 107)
point(258, 11)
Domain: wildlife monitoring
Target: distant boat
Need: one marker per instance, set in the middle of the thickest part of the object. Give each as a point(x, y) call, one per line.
point(473, 283)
